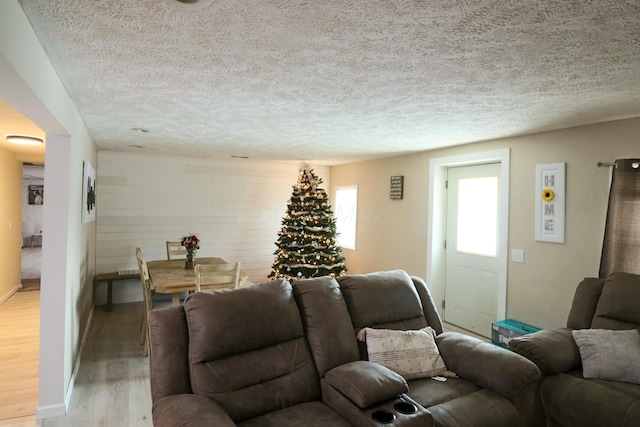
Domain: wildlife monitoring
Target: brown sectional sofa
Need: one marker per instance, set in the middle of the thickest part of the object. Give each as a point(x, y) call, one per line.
point(280, 355)
point(565, 397)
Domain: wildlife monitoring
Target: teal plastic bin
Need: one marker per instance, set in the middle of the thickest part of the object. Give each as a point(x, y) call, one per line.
point(504, 330)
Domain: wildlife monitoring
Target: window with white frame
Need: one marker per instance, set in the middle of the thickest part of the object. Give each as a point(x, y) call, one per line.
point(346, 212)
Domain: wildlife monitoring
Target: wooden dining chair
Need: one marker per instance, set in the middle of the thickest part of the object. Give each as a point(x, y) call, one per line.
point(212, 277)
point(150, 298)
point(175, 250)
point(146, 294)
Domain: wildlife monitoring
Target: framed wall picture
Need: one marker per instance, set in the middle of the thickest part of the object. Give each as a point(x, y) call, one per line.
point(88, 193)
point(36, 194)
point(550, 202)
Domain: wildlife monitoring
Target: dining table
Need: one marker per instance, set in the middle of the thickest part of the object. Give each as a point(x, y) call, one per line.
point(171, 277)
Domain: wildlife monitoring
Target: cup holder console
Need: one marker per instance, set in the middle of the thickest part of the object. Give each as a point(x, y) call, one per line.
point(399, 411)
point(382, 416)
point(405, 407)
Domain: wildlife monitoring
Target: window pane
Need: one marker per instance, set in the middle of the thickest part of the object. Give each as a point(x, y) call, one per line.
point(346, 215)
point(477, 215)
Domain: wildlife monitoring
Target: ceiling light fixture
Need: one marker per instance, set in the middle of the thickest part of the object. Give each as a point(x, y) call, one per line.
point(24, 140)
point(194, 3)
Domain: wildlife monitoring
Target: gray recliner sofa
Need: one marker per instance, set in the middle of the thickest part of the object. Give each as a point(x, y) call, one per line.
point(277, 354)
point(495, 387)
point(242, 358)
point(565, 397)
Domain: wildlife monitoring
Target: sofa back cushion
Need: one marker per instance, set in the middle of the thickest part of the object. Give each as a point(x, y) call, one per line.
point(327, 323)
point(428, 304)
point(585, 301)
point(382, 300)
point(618, 306)
point(248, 351)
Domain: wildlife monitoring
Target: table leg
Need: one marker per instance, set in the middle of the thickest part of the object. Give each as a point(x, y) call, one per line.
point(175, 298)
point(109, 294)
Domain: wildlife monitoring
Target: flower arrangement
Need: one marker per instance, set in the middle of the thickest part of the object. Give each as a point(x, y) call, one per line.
point(192, 244)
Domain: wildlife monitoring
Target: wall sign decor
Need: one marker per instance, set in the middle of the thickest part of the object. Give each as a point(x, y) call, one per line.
point(397, 187)
point(88, 193)
point(550, 202)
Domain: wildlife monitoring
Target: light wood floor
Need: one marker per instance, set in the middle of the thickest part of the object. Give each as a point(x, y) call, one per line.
point(19, 353)
point(112, 384)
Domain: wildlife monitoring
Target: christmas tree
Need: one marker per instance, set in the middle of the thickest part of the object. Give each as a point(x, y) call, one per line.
point(307, 241)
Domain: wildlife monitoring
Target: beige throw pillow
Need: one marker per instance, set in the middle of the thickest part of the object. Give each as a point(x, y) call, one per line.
point(609, 355)
point(412, 354)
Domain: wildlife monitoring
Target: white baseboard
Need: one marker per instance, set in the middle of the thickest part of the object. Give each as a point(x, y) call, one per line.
point(50, 411)
point(76, 365)
point(10, 294)
point(62, 408)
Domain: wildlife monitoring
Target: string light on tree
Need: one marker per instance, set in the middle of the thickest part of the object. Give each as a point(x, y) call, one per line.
point(306, 245)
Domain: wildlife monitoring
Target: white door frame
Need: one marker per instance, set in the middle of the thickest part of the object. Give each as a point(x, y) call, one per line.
point(437, 221)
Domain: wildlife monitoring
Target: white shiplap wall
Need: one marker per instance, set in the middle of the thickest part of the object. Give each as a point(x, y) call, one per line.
point(234, 206)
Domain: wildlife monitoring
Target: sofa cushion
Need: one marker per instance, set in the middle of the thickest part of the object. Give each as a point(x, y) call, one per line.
point(412, 354)
point(225, 323)
point(609, 355)
point(248, 352)
point(428, 392)
point(572, 401)
point(327, 322)
point(311, 414)
point(585, 301)
point(473, 410)
point(618, 304)
point(381, 299)
point(626, 388)
point(189, 410)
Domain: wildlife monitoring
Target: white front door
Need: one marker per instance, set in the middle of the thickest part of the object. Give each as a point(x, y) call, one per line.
point(471, 255)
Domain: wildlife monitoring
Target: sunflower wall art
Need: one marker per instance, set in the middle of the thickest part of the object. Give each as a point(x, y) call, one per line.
point(550, 202)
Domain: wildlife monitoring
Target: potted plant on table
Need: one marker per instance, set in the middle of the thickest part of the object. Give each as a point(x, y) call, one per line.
point(191, 243)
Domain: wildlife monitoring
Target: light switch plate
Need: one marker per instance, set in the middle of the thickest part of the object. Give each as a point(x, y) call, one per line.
point(517, 255)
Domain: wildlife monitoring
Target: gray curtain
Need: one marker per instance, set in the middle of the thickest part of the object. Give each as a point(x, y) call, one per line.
point(621, 246)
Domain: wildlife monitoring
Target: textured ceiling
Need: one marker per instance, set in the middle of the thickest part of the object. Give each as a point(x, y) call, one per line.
point(337, 81)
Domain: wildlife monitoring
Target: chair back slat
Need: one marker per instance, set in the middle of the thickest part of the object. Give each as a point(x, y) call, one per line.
point(211, 277)
point(175, 250)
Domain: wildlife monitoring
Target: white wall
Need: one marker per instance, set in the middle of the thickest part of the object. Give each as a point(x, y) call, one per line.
point(235, 207)
point(30, 84)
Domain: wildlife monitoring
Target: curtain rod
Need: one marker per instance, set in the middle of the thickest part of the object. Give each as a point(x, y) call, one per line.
point(600, 164)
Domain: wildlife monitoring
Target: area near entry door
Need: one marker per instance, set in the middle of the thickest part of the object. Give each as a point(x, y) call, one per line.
point(471, 255)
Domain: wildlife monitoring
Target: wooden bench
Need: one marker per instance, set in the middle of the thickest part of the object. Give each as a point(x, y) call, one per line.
point(112, 277)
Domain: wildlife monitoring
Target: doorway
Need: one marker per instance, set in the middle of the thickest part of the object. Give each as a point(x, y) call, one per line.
point(32, 205)
point(471, 265)
point(440, 216)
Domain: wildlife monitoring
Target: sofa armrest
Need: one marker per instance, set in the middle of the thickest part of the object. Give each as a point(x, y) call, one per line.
point(485, 364)
point(553, 350)
point(189, 410)
point(366, 383)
